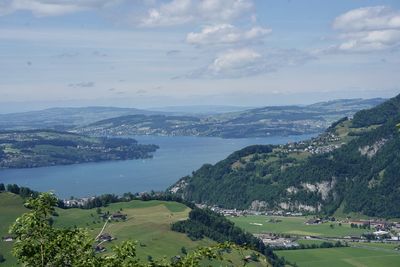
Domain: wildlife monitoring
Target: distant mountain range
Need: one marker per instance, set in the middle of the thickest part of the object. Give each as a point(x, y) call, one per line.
point(63, 118)
point(200, 109)
point(258, 122)
point(352, 167)
point(189, 121)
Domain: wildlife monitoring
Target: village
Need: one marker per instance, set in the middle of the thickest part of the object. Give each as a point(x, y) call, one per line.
point(373, 230)
point(324, 143)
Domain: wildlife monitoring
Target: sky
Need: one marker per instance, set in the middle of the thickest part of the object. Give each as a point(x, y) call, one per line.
point(154, 53)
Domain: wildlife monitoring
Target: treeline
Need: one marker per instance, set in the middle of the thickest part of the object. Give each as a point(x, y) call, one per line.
point(99, 201)
point(206, 223)
point(106, 199)
point(18, 190)
point(324, 244)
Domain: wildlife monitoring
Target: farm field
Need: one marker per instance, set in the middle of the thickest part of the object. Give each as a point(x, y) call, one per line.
point(147, 222)
point(378, 245)
point(341, 257)
point(294, 226)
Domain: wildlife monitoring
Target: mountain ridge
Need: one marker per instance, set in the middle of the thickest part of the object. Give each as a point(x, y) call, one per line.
point(257, 122)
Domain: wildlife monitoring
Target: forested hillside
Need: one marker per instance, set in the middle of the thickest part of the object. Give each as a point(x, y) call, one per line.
point(358, 173)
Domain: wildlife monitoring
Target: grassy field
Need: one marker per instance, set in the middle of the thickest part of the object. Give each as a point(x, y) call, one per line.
point(147, 222)
point(294, 226)
point(342, 257)
point(11, 207)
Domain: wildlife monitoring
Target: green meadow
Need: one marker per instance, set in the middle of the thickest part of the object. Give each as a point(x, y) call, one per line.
point(342, 257)
point(294, 226)
point(148, 222)
point(11, 207)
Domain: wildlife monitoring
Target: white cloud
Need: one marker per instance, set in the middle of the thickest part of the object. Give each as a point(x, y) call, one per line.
point(368, 18)
point(42, 8)
point(368, 29)
point(243, 62)
point(225, 34)
point(178, 12)
point(234, 59)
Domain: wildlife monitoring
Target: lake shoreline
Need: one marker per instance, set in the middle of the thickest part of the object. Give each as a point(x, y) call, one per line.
point(177, 157)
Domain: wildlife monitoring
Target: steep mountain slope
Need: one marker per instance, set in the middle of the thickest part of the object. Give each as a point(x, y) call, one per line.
point(354, 165)
point(259, 122)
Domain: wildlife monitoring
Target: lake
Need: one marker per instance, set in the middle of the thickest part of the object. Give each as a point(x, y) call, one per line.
point(178, 156)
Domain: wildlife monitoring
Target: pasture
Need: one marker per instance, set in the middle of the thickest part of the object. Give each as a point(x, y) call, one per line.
point(342, 257)
point(148, 222)
point(294, 226)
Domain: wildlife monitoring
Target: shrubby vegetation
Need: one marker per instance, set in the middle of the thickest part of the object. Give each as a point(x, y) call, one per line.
point(324, 244)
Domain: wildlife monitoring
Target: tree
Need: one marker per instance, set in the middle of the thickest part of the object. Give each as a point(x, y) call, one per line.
point(38, 243)
point(2, 187)
point(184, 250)
point(13, 188)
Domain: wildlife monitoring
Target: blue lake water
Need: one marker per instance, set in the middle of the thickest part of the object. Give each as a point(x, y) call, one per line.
point(177, 157)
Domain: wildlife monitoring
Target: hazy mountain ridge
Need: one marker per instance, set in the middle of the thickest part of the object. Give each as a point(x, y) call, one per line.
point(258, 122)
point(63, 118)
point(348, 167)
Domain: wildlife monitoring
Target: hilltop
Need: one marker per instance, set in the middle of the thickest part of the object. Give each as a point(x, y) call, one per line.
point(352, 167)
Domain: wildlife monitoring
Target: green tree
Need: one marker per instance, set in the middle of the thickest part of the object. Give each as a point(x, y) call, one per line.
point(39, 244)
point(184, 250)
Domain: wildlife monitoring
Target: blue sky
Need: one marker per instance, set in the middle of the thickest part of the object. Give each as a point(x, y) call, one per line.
point(148, 53)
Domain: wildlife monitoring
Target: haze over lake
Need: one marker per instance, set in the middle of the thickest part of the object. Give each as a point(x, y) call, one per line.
point(177, 157)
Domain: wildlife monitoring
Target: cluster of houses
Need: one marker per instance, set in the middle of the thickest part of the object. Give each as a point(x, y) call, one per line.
point(105, 237)
point(324, 143)
point(377, 224)
point(274, 240)
point(116, 216)
point(76, 202)
point(383, 229)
